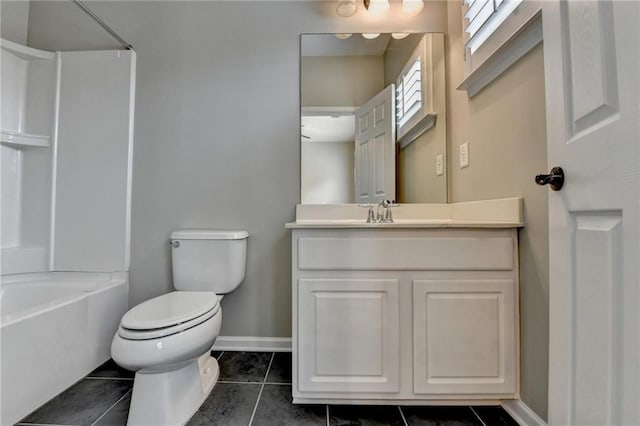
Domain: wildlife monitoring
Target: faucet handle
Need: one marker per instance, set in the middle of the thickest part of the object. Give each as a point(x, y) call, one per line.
point(388, 217)
point(371, 217)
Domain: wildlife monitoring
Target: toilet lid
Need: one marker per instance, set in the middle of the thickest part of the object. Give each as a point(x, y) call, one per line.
point(158, 333)
point(170, 309)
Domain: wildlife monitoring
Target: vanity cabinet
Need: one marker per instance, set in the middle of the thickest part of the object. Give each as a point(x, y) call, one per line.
point(404, 315)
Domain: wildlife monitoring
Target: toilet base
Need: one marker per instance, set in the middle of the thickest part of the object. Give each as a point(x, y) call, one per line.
point(171, 398)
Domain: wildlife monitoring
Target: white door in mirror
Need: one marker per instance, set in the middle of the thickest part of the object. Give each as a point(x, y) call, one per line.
point(375, 154)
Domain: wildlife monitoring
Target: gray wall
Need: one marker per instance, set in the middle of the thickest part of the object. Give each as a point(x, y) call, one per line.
point(217, 140)
point(505, 125)
point(340, 80)
point(417, 181)
point(14, 18)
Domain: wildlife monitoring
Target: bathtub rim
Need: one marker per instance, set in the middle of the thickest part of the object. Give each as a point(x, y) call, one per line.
point(105, 281)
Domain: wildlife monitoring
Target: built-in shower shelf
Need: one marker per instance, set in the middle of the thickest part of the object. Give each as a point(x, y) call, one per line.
point(23, 140)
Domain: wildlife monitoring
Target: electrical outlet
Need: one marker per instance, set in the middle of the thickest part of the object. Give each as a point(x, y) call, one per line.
point(439, 165)
point(464, 155)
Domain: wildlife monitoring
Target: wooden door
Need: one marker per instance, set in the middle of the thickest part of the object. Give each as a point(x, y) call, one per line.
point(375, 154)
point(592, 75)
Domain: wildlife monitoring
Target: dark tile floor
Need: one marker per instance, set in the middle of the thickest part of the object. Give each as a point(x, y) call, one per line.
point(254, 389)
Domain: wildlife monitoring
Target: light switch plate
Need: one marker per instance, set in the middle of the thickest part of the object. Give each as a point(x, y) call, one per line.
point(464, 155)
point(439, 165)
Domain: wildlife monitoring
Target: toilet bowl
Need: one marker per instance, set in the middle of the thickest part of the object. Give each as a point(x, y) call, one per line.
point(167, 340)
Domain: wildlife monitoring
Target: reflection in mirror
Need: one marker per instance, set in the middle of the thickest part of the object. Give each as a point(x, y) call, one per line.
point(373, 123)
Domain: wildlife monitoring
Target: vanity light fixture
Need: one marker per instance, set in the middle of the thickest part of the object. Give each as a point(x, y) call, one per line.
point(343, 36)
point(399, 36)
point(412, 7)
point(370, 36)
point(376, 6)
point(346, 8)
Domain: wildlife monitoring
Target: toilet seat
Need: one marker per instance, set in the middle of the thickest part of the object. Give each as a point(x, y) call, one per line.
point(168, 314)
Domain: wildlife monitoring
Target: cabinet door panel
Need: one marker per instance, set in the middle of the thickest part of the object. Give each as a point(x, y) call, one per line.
point(348, 335)
point(464, 336)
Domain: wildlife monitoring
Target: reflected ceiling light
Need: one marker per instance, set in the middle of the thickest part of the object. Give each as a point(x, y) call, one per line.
point(376, 6)
point(346, 8)
point(399, 36)
point(370, 36)
point(412, 7)
point(343, 36)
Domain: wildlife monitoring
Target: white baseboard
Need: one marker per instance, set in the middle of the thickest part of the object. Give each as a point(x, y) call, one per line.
point(252, 344)
point(521, 413)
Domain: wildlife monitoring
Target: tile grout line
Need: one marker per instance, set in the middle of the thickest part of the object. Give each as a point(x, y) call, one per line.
point(255, 407)
point(403, 417)
point(327, 407)
point(39, 424)
point(477, 415)
point(231, 382)
point(114, 404)
point(273, 355)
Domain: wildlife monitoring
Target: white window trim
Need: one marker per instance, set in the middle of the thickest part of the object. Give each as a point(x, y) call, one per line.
point(428, 50)
point(513, 39)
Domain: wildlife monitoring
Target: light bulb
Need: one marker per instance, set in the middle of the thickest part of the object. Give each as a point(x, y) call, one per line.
point(346, 8)
point(376, 6)
point(399, 36)
point(343, 36)
point(412, 7)
point(370, 36)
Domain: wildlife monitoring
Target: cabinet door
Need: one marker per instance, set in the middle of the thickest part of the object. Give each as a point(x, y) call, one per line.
point(464, 335)
point(348, 335)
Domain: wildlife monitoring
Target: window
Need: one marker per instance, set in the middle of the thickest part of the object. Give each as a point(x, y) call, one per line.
point(483, 17)
point(409, 93)
point(415, 86)
point(496, 34)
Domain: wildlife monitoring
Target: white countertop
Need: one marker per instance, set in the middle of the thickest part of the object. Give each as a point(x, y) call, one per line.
point(502, 213)
point(424, 223)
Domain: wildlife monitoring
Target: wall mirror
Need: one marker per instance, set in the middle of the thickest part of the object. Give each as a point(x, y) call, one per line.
point(373, 118)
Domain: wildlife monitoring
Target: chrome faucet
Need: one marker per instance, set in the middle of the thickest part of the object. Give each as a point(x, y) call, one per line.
point(387, 217)
point(371, 216)
point(378, 216)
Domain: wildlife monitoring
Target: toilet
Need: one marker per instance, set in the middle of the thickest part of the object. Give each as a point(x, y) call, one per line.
point(167, 340)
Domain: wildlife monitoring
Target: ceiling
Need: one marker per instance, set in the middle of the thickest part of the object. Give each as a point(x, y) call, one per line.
point(327, 128)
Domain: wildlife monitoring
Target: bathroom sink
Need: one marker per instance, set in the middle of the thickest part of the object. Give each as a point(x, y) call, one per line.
point(503, 213)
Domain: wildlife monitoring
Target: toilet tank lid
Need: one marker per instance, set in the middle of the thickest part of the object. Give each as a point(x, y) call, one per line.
point(208, 234)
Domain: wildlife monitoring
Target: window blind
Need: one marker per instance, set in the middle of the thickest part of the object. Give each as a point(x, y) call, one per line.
point(409, 93)
point(482, 17)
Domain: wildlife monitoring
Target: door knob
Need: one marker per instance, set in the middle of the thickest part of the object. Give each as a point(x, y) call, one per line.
point(555, 179)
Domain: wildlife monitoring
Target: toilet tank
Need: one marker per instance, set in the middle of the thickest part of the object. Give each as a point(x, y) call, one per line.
point(208, 260)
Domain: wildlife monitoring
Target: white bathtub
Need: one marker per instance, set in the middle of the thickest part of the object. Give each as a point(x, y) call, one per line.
point(54, 329)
